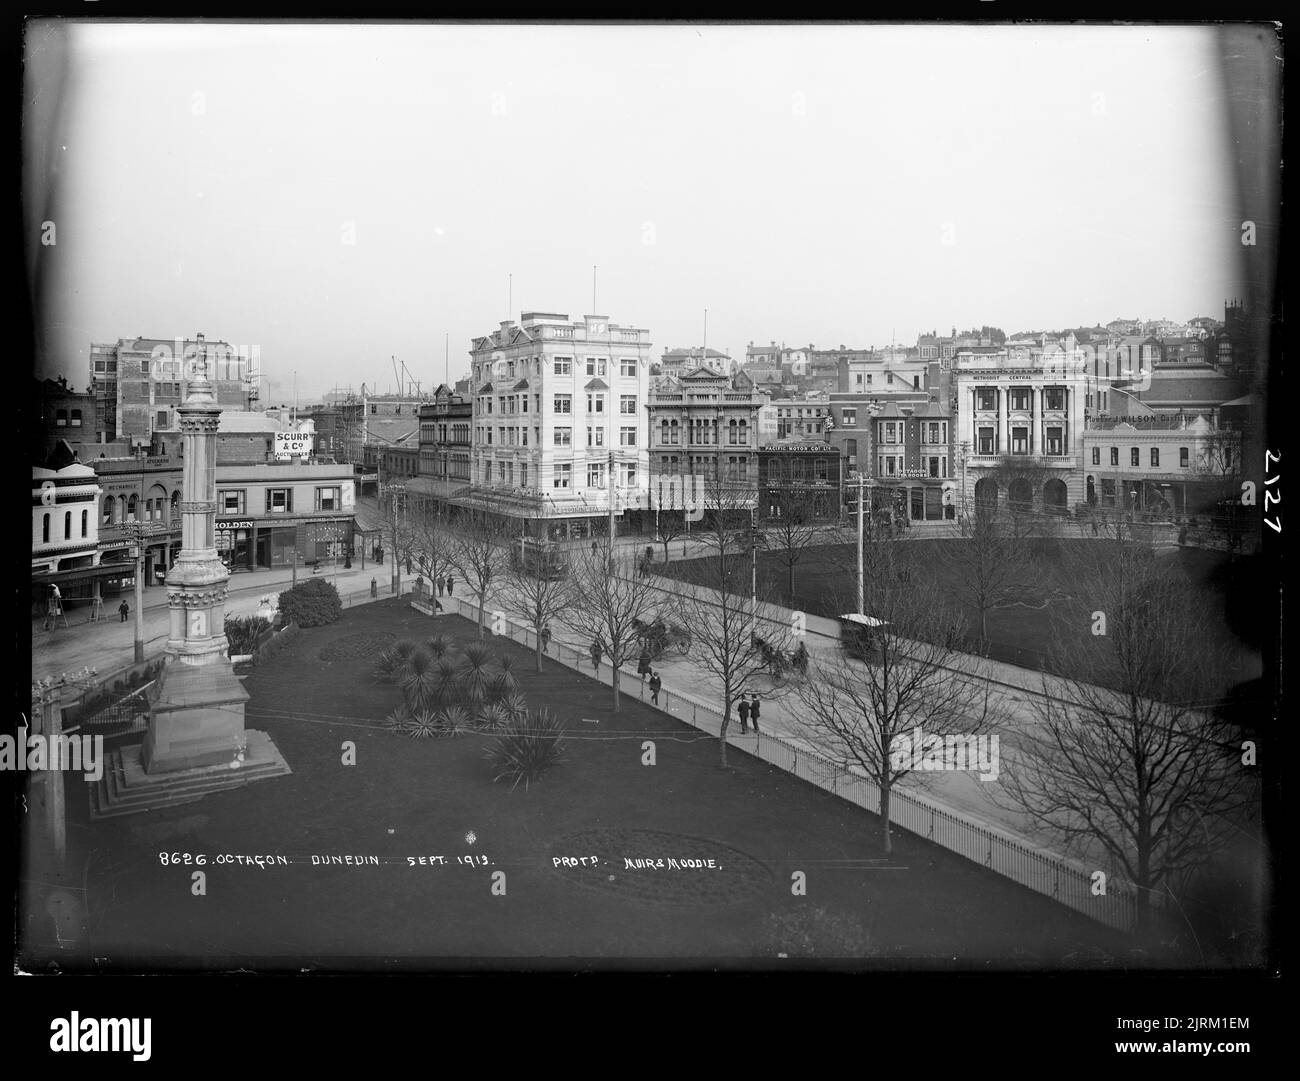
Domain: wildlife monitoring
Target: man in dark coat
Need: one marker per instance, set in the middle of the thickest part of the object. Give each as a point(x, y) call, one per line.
point(753, 711)
point(655, 684)
point(743, 710)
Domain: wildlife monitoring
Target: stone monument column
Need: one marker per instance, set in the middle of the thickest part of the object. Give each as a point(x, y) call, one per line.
point(197, 707)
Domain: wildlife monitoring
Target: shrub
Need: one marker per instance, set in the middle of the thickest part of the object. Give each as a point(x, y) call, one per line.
point(475, 675)
point(494, 718)
point(527, 749)
point(418, 678)
point(423, 725)
point(437, 646)
point(312, 603)
point(452, 721)
point(506, 678)
point(244, 634)
point(399, 720)
point(515, 706)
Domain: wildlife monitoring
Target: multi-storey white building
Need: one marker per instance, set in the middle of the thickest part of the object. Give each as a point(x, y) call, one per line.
point(1016, 406)
point(557, 404)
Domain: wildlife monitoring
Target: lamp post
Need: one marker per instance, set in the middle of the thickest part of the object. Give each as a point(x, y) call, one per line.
point(137, 530)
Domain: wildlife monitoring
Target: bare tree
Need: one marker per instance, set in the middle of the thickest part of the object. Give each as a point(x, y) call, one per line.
point(989, 563)
point(726, 622)
point(537, 594)
point(607, 599)
point(1022, 478)
point(478, 552)
point(1142, 767)
point(792, 508)
point(398, 533)
point(866, 712)
point(431, 537)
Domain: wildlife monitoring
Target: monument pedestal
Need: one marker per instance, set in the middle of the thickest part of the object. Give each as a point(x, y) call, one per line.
point(196, 715)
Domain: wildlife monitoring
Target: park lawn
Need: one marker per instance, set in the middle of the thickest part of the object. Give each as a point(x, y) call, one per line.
point(923, 906)
point(1021, 633)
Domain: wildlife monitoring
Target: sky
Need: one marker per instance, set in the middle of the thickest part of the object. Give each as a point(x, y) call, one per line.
point(338, 195)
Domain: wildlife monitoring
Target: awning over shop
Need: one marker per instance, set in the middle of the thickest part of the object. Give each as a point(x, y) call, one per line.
point(86, 574)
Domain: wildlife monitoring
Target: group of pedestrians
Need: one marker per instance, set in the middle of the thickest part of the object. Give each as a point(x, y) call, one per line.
point(448, 583)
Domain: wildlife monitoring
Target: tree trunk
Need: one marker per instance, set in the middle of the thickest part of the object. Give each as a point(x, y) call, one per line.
point(790, 593)
point(482, 610)
point(886, 838)
point(665, 553)
point(537, 648)
point(614, 683)
point(722, 732)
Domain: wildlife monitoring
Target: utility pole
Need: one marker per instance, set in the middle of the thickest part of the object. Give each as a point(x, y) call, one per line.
point(861, 541)
point(610, 484)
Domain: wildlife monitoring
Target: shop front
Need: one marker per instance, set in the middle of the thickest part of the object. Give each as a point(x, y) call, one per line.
point(249, 544)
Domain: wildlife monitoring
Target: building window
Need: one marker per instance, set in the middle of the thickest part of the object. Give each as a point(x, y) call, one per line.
point(595, 437)
point(563, 474)
point(629, 474)
point(1134, 456)
point(61, 417)
point(1114, 455)
point(231, 502)
point(1155, 456)
point(563, 437)
point(916, 382)
point(819, 469)
point(563, 365)
point(1019, 397)
point(849, 417)
point(45, 529)
point(523, 474)
point(933, 465)
point(1019, 440)
point(1182, 457)
point(851, 449)
point(329, 499)
point(374, 409)
point(986, 441)
point(596, 475)
point(1107, 491)
point(1055, 441)
point(889, 431)
point(986, 398)
point(279, 500)
point(1096, 455)
point(627, 367)
point(85, 523)
point(595, 403)
point(76, 418)
point(1054, 398)
point(67, 525)
point(595, 366)
point(627, 403)
point(627, 437)
point(162, 419)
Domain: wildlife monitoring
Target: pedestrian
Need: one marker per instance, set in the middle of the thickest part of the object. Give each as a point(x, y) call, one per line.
point(655, 684)
point(595, 656)
point(753, 711)
point(441, 584)
point(123, 610)
point(594, 547)
point(546, 638)
point(408, 564)
point(743, 710)
point(450, 583)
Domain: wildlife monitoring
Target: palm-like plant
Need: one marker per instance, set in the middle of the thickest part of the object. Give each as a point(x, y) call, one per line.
point(399, 720)
point(475, 675)
point(387, 664)
point(493, 717)
point(506, 677)
point(515, 705)
point(437, 646)
point(418, 678)
point(452, 721)
point(527, 749)
point(448, 677)
point(424, 725)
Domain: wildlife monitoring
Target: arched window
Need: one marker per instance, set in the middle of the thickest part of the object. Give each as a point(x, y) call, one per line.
point(45, 529)
point(67, 525)
point(109, 508)
point(130, 509)
point(85, 523)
